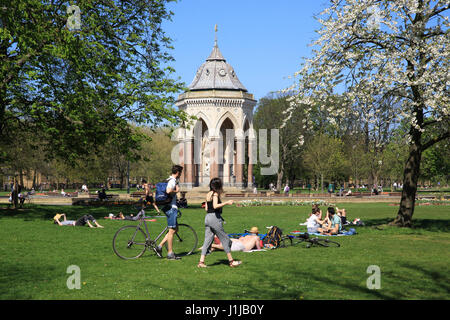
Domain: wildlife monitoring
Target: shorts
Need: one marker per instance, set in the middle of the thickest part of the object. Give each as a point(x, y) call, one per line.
point(171, 214)
point(312, 230)
point(237, 246)
point(149, 199)
point(84, 219)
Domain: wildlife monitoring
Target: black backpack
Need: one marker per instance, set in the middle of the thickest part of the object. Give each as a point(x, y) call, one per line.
point(273, 237)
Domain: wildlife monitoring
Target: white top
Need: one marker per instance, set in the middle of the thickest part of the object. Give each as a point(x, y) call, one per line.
point(171, 185)
point(312, 222)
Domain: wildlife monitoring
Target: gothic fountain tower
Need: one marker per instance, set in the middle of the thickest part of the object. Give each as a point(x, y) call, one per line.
point(218, 142)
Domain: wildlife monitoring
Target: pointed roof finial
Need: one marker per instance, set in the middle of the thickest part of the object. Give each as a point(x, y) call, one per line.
point(215, 38)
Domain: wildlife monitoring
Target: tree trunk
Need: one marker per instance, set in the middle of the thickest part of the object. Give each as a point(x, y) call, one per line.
point(15, 194)
point(280, 175)
point(410, 178)
point(34, 179)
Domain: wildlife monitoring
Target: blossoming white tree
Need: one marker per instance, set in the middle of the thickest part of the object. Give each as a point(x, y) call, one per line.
point(380, 49)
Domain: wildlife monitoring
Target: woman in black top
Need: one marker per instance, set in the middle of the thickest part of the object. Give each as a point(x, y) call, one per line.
point(214, 223)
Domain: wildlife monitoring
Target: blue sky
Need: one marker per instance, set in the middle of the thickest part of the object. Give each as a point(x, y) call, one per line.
point(264, 40)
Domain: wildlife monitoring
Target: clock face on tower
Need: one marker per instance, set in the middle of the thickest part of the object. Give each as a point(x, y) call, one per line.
point(222, 72)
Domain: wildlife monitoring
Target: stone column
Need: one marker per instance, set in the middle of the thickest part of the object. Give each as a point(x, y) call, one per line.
point(251, 154)
point(188, 163)
point(240, 160)
point(181, 157)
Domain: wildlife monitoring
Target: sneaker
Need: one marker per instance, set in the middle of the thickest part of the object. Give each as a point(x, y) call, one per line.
point(172, 256)
point(158, 251)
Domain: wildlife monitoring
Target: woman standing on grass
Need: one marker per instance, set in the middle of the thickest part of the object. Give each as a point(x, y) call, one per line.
point(214, 223)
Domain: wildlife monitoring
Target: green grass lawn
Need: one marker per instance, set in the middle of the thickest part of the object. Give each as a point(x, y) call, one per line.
point(35, 255)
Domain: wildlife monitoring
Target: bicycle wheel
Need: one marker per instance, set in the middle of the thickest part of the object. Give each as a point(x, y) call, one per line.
point(297, 240)
point(285, 242)
point(327, 243)
point(185, 240)
point(129, 242)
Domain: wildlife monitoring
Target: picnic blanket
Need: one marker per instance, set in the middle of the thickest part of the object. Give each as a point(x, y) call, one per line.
point(238, 235)
point(345, 233)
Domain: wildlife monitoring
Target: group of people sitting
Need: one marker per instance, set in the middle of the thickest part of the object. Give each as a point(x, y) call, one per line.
point(330, 225)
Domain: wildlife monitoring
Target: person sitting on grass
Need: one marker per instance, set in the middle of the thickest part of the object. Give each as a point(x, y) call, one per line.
point(314, 223)
point(314, 211)
point(86, 219)
point(335, 223)
point(245, 243)
point(102, 194)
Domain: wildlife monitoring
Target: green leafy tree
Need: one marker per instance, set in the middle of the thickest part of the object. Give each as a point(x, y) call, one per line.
point(270, 115)
point(325, 158)
point(77, 84)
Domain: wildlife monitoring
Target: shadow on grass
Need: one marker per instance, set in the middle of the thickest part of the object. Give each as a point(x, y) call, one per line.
point(440, 280)
point(42, 212)
point(435, 225)
point(19, 279)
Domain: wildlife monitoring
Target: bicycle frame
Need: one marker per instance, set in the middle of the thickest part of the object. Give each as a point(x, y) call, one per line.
point(147, 233)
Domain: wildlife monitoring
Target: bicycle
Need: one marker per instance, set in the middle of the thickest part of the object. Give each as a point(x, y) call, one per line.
point(131, 242)
point(305, 238)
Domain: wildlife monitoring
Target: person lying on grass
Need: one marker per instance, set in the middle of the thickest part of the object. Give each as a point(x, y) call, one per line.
point(335, 223)
point(342, 214)
point(120, 216)
point(86, 219)
point(245, 243)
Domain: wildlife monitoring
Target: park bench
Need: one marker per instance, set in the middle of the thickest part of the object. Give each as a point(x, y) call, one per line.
point(138, 194)
point(53, 194)
point(302, 195)
point(262, 194)
point(322, 195)
point(279, 194)
point(108, 196)
point(426, 197)
point(235, 195)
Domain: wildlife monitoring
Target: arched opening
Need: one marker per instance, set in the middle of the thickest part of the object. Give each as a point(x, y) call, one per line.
point(202, 153)
point(227, 149)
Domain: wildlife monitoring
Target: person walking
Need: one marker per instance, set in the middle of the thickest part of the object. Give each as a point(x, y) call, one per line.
point(171, 211)
point(214, 223)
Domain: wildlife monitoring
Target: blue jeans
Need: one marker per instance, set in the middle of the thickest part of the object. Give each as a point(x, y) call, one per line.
point(171, 217)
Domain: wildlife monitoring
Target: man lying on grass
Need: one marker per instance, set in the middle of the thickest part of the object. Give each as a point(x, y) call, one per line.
point(79, 223)
point(335, 225)
point(246, 243)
